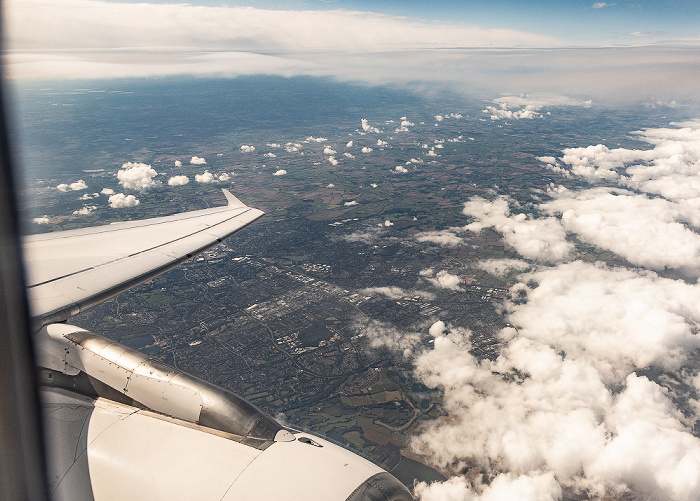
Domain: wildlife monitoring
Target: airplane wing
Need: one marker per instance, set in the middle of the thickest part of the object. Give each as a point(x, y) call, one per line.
point(71, 271)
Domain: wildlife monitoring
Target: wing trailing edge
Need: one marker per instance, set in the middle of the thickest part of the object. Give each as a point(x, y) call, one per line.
point(71, 271)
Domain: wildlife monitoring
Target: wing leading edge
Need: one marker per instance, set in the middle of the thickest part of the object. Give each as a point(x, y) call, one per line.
point(71, 271)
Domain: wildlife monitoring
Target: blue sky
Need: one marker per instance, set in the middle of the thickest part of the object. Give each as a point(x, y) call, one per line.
point(577, 22)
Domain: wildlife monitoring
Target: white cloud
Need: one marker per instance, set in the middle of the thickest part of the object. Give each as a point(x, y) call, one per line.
point(271, 155)
point(41, 220)
point(388, 223)
point(348, 155)
point(368, 128)
point(381, 143)
point(178, 163)
point(442, 279)
point(593, 386)
point(206, 177)
point(316, 139)
point(329, 151)
point(447, 238)
point(504, 487)
point(349, 145)
point(120, 200)
point(280, 172)
point(645, 231)
point(600, 5)
point(137, 176)
point(542, 239)
point(247, 149)
point(107, 191)
point(372, 48)
point(225, 176)
point(366, 149)
point(562, 401)
point(374, 185)
point(350, 203)
point(333, 160)
point(197, 161)
point(400, 169)
point(88, 196)
point(75, 186)
point(368, 236)
point(439, 118)
point(513, 107)
point(292, 147)
point(669, 169)
point(85, 210)
point(501, 267)
point(396, 292)
point(382, 334)
point(178, 181)
point(273, 145)
point(330, 185)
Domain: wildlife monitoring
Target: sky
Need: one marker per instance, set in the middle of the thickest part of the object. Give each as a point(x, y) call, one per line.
point(599, 50)
point(577, 22)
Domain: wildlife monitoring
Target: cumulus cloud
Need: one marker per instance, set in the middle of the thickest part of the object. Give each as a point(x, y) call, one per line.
point(76, 186)
point(442, 279)
point(280, 172)
point(381, 143)
point(564, 398)
point(594, 388)
point(504, 487)
point(600, 5)
point(178, 163)
point(645, 231)
point(396, 292)
point(501, 267)
point(88, 196)
point(348, 155)
point(447, 238)
point(400, 169)
point(197, 161)
point(349, 145)
point(137, 176)
point(206, 177)
point(247, 149)
point(120, 200)
point(107, 191)
point(178, 181)
point(528, 106)
point(366, 149)
point(669, 169)
point(333, 160)
point(367, 127)
point(367, 236)
point(350, 203)
point(41, 220)
point(383, 334)
point(542, 239)
point(329, 151)
point(270, 154)
point(84, 210)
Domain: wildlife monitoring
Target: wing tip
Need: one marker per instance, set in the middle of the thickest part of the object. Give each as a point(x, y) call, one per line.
point(232, 200)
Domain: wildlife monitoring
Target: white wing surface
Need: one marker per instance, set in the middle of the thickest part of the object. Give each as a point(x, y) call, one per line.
point(70, 271)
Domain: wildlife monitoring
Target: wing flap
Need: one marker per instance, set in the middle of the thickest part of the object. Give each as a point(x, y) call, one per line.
point(68, 272)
